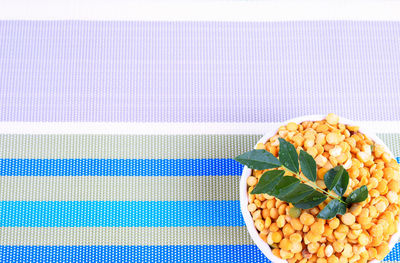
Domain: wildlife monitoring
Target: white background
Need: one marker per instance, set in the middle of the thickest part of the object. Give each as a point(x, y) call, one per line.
point(200, 10)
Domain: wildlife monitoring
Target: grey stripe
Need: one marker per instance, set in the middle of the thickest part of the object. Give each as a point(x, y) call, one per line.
point(119, 188)
point(392, 140)
point(140, 236)
point(125, 146)
point(137, 146)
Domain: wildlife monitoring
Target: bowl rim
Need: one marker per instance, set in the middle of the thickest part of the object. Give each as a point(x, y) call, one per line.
point(264, 247)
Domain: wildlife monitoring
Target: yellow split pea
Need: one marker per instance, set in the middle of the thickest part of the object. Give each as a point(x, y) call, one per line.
point(363, 232)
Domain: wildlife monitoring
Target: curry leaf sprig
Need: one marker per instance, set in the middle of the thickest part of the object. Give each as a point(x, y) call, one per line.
point(303, 193)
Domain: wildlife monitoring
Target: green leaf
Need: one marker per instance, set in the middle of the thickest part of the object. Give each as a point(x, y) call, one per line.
point(268, 181)
point(337, 179)
point(288, 155)
point(308, 166)
point(258, 160)
point(285, 186)
point(310, 201)
point(298, 193)
point(358, 195)
point(333, 208)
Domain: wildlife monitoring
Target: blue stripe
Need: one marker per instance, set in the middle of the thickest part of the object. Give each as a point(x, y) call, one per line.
point(119, 213)
point(216, 253)
point(119, 167)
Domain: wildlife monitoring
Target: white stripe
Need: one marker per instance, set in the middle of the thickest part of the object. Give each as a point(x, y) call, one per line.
point(160, 128)
point(201, 10)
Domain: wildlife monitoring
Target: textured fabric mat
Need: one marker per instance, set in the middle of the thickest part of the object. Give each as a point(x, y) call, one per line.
point(198, 71)
point(166, 198)
point(103, 206)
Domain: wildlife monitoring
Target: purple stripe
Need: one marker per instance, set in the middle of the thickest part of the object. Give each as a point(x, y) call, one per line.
point(198, 71)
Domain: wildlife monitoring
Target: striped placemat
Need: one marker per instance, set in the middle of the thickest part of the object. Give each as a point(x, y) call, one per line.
point(117, 138)
point(133, 198)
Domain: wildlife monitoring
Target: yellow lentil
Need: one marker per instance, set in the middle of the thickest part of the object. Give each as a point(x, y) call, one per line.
point(333, 259)
point(392, 197)
point(333, 138)
point(298, 140)
point(372, 252)
point(281, 221)
point(383, 250)
point(273, 213)
point(347, 251)
point(394, 186)
point(292, 126)
point(321, 251)
point(320, 140)
point(328, 231)
point(361, 234)
point(285, 244)
point(334, 223)
point(282, 209)
point(376, 230)
point(386, 157)
point(348, 219)
point(251, 181)
point(332, 119)
point(321, 160)
point(259, 223)
point(343, 229)
point(296, 238)
point(338, 246)
point(355, 209)
point(276, 252)
point(251, 207)
point(286, 254)
point(296, 224)
point(321, 173)
point(339, 235)
point(363, 239)
point(267, 222)
point(265, 213)
point(287, 230)
point(318, 228)
point(260, 146)
point(257, 202)
point(354, 258)
point(311, 237)
point(307, 219)
point(296, 247)
point(276, 237)
point(313, 247)
point(274, 227)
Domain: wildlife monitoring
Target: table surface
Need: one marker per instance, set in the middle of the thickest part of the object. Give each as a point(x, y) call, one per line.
point(172, 103)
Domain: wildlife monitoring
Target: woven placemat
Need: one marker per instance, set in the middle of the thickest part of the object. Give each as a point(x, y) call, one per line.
point(166, 197)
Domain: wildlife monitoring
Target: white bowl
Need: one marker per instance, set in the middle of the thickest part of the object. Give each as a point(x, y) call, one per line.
point(244, 200)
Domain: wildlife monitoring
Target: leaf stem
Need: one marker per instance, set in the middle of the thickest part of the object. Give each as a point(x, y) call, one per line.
point(331, 195)
point(315, 185)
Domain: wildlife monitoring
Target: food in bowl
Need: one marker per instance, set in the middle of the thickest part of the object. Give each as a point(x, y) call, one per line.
point(362, 232)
